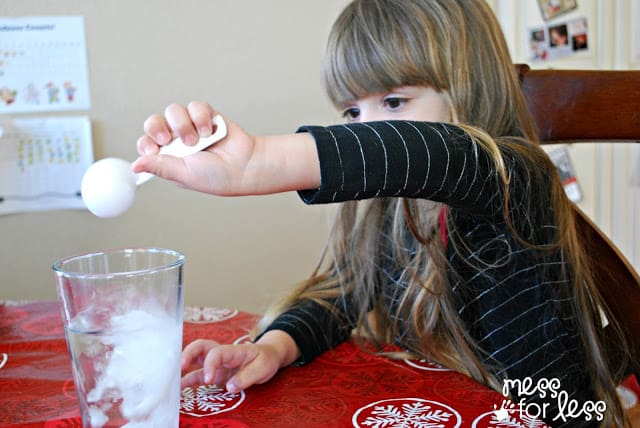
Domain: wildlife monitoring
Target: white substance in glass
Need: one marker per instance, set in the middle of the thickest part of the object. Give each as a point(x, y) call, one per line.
point(129, 375)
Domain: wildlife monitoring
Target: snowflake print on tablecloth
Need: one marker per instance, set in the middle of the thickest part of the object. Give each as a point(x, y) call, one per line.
point(243, 339)
point(426, 365)
point(14, 302)
point(199, 315)
point(208, 400)
point(406, 413)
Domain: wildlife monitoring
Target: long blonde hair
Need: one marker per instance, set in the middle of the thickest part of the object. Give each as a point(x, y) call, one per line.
point(457, 48)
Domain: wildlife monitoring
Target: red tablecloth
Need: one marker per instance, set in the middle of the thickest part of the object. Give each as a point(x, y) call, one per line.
point(346, 387)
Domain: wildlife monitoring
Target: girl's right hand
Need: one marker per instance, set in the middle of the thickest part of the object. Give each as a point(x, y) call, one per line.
point(239, 164)
point(220, 169)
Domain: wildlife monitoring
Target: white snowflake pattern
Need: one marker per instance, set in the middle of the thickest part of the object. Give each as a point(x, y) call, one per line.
point(426, 365)
point(508, 416)
point(242, 339)
point(411, 415)
point(194, 314)
point(209, 399)
point(15, 302)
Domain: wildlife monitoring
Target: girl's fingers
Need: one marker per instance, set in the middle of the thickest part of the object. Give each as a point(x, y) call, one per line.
point(196, 351)
point(147, 145)
point(201, 114)
point(256, 371)
point(237, 366)
point(168, 167)
point(177, 116)
point(157, 128)
point(193, 378)
point(230, 358)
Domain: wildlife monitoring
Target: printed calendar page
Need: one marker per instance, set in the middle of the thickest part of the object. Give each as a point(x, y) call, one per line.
point(42, 161)
point(43, 64)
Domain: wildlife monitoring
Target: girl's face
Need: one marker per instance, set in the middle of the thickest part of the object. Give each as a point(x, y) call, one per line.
point(418, 103)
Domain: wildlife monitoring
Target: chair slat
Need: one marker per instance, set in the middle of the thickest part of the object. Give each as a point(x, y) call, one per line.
point(584, 105)
point(594, 106)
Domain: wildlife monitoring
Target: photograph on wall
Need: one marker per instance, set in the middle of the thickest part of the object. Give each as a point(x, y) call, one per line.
point(552, 8)
point(559, 40)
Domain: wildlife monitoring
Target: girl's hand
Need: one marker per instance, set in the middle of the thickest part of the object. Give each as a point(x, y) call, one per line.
point(240, 164)
point(220, 169)
point(236, 366)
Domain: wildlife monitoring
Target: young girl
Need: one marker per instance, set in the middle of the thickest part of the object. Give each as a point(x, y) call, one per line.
point(454, 238)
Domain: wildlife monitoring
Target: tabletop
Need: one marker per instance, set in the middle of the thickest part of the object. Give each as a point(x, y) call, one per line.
point(344, 387)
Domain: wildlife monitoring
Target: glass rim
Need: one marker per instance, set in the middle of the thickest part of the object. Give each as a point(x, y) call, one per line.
point(58, 264)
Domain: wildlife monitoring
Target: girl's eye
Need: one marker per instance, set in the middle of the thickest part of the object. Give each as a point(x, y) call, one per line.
point(351, 113)
point(394, 103)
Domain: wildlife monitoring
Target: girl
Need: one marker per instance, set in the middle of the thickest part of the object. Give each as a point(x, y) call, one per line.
point(454, 240)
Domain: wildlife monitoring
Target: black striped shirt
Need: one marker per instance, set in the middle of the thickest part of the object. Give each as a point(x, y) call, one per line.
point(513, 301)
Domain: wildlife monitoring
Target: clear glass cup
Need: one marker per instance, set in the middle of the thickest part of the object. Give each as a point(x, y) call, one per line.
point(122, 310)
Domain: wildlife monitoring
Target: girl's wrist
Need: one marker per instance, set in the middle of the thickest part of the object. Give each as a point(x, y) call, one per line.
point(283, 344)
point(286, 163)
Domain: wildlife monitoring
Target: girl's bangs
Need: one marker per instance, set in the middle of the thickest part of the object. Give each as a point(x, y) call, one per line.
point(357, 65)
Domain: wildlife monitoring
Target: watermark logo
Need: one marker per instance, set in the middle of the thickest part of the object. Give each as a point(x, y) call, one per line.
point(545, 399)
point(502, 413)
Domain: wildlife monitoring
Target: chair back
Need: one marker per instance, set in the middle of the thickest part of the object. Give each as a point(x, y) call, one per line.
point(587, 106)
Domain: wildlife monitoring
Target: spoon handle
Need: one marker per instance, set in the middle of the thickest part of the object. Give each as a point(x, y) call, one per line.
point(178, 149)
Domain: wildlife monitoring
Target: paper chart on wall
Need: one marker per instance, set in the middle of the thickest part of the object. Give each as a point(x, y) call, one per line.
point(43, 64)
point(42, 161)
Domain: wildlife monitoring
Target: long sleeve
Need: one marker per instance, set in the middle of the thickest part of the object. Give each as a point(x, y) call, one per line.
point(314, 328)
point(398, 158)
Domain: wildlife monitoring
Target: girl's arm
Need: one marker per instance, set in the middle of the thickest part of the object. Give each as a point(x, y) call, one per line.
point(434, 161)
point(313, 327)
point(240, 164)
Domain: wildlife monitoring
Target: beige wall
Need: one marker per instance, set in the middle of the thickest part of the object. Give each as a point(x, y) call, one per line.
point(257, 62)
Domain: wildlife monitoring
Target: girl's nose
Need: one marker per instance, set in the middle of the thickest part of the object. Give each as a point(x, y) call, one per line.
point(371, 115)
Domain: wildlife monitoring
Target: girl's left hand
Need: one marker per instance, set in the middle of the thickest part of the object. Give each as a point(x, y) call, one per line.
point(235, 366)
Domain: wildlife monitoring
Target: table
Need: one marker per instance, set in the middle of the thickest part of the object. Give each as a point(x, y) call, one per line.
point(345, 387)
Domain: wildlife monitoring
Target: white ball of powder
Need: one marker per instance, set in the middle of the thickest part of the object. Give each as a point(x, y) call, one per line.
point(108, 187)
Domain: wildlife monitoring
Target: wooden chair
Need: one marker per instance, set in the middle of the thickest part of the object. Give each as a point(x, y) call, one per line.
point(572, 106)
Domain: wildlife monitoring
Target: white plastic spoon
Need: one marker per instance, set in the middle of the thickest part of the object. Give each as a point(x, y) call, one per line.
point(109, 186)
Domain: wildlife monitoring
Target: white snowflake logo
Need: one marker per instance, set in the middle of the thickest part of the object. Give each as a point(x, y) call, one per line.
point(502, 414)
point(208, 400)
point(406, 413)
point(503, 417)
point(508, 415)
point(510, 421)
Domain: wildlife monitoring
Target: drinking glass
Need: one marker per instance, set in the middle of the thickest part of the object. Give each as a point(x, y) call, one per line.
point(122, 312)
